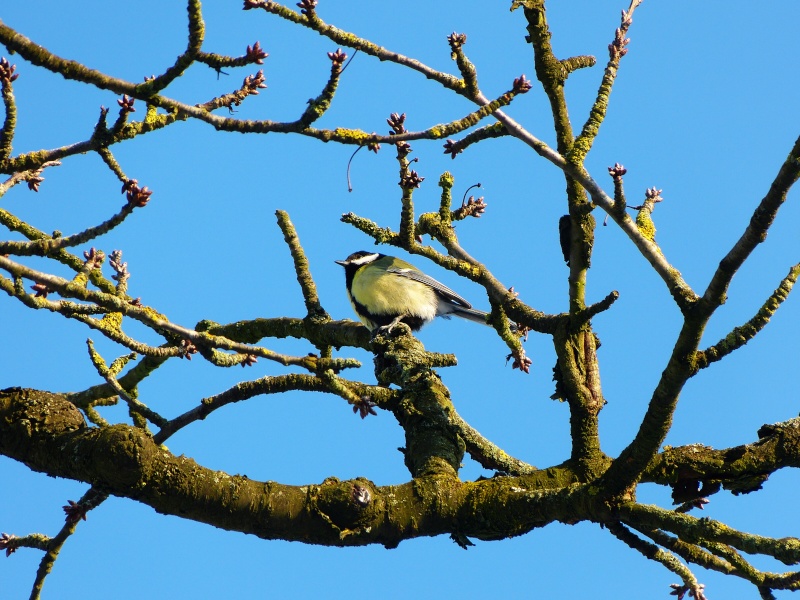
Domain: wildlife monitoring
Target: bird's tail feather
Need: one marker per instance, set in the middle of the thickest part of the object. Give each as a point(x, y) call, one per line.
point(472, 314)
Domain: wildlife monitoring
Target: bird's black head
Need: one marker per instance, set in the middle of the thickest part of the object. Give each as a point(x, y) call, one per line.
point(355, 261)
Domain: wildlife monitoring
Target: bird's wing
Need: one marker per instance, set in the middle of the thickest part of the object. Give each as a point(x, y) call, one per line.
point(440, 288)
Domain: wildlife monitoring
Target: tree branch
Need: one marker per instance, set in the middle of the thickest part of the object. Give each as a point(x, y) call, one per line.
point(691, 529)
point(657, 554)
point(157, 322)
point(309, 289)
point(616, 50)
point(740, 468)
point(756, 231)
point(743, 334)
point(46, 245)
point(91, 499)
point(335, 513)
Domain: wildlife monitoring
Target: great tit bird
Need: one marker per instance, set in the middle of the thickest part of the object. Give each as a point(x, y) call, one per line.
point(385, 291)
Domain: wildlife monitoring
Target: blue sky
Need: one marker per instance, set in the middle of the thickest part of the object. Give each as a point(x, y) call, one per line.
point(704, 108)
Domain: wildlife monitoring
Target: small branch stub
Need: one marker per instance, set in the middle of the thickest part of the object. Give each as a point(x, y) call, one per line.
point(255, 54)
point(253, 83)
point(456, 40)
point(307, 7)
point(8, 542)
point(126, 104)
point(397, 122)
point(694, 591)
point(187, 349)
point(521, 85)
point(7, 75)
point(411, 180)
point(120, 268)
point(365, 407)
point(74, 512)
point(137, 196)
point(337, 58)
point(617, 171)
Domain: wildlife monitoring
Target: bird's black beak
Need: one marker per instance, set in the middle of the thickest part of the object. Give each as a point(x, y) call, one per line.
point(341, 262)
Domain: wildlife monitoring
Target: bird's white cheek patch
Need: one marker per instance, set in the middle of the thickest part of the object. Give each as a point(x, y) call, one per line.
point(364, 259)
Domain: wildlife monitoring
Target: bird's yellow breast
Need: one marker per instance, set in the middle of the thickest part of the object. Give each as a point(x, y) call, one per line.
point(387, 293)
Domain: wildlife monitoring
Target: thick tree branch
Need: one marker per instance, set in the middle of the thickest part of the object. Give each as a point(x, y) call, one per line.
point(334, 333)
point(127, 462)
point(740, 468)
